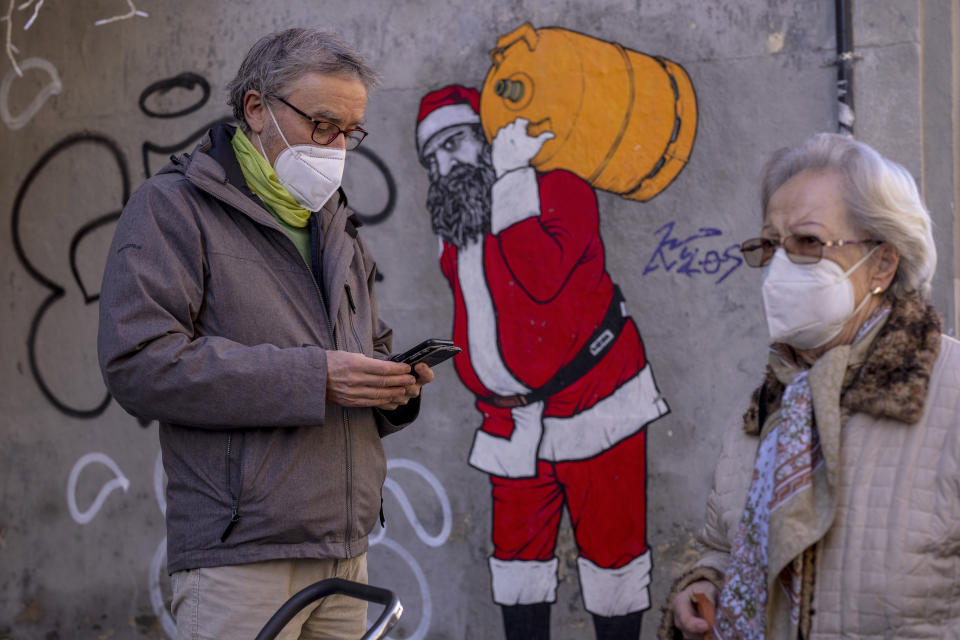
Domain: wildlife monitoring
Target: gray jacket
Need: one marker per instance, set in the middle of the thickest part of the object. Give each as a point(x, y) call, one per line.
point(212, 323)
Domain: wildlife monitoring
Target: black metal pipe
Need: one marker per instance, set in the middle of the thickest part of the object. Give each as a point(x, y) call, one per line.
point(844, 22)
point(305, 596)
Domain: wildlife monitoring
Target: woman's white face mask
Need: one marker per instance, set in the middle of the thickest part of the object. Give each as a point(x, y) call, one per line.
point(311, 174)
point(807, 305)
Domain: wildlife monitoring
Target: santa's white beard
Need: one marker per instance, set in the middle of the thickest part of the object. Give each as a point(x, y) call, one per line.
point(459, 203)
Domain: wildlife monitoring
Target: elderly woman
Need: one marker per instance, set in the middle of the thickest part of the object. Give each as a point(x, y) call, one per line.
point(835, 508)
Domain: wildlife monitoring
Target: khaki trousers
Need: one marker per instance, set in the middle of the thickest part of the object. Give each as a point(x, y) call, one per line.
point(234, 602)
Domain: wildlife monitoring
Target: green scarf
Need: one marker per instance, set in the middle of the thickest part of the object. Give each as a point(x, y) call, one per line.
point(262, 180)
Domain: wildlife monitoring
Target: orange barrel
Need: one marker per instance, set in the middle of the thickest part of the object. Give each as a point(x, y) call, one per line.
point(623, 121)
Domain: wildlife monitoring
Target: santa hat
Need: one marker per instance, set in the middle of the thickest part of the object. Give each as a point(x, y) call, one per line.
point(444, 108)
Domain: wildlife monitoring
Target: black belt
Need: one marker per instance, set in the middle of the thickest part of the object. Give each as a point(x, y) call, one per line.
point(600, 342)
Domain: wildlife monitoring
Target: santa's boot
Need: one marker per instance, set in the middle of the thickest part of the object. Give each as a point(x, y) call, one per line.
point(527, 621)
point(618, 627)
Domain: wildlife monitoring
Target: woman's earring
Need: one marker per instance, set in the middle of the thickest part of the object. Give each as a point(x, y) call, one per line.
point(877, 291)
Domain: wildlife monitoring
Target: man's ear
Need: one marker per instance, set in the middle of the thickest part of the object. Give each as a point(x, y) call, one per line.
point(254, 111)
point(887, 261)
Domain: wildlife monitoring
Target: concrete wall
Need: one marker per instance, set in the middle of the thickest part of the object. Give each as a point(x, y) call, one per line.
point(81, 502)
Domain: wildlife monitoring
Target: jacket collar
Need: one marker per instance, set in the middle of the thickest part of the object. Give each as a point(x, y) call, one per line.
point(894, 378)
point(213, 167)
point(221, 150)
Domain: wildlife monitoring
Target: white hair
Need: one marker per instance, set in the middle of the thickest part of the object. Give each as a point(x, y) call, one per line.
point(278, 59)
point(881, 197)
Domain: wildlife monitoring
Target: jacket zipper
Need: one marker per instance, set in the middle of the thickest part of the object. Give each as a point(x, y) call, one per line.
point(353, 318)
point(314, 269)
point(353, 307)
point(235, 496)
point(349, 531)
point(315, 273)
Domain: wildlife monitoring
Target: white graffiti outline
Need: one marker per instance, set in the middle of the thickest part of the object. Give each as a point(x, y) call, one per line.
point(159, 558)
point(130, 14)
point(50, 89)
point(401, 495)
point(380, 538)
point(119, 482)
point(156, 595)
point(427, 614)
point(9, 46)
point(158, 484)
point(36, 11)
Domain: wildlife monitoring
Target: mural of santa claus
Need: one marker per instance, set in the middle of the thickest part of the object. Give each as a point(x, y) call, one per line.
point(555, 361)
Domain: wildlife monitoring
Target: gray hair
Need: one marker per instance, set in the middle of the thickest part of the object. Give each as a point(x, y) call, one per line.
point(278, 59)
point(881, 197)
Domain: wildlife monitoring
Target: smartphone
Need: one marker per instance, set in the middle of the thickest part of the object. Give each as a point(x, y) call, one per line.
point(432, 351)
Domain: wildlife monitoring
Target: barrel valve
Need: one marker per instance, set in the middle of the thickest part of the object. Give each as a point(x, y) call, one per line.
point(511, 90)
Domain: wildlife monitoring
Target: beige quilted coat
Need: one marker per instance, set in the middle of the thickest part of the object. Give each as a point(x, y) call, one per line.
point(889, 567)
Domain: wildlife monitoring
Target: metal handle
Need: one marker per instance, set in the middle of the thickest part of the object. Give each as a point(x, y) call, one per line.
point(511, 90)
point(387, 620)
point(524, 32)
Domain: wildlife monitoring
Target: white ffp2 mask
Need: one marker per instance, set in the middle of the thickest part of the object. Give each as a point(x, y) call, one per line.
point(310, 173)
point(807, 305)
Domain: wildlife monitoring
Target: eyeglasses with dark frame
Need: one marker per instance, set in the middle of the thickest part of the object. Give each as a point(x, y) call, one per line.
point(801, 249)
point(325, 133)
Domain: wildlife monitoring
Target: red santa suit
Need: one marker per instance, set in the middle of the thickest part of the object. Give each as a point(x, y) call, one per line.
point(528, 297)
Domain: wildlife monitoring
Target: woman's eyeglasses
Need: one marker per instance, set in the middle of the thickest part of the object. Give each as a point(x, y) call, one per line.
point(801, 249)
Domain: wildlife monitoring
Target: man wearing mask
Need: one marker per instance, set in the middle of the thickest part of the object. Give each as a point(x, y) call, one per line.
point(238, 309)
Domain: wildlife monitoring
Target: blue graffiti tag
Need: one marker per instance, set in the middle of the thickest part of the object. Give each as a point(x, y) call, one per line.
point(681, 256)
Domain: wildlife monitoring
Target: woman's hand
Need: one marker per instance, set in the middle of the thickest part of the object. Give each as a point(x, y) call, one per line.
point(686, 617)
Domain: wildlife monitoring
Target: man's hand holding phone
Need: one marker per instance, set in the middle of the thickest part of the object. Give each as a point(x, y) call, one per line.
point(421, 357)
point(356, 380)
point(431, 352)
point(423, 375)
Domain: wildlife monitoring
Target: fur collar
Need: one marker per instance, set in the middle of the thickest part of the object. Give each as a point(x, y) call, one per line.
point(893, 381)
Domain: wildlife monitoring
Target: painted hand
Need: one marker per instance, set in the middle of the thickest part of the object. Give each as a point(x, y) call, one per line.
point(355, 380)
point(513, 147)
point(685, 615)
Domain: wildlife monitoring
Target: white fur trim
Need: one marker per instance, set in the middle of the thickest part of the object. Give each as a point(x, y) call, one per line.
point(634, 404)
point(523, 581)
point(442, 117)
point(616, 592)
point(515, 196)
point(482, 324)
point(515, 457)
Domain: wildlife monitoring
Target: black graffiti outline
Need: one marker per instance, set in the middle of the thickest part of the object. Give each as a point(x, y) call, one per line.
point(56, 290)
point(377, 218)
point(170, 148)
point(186, 80)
